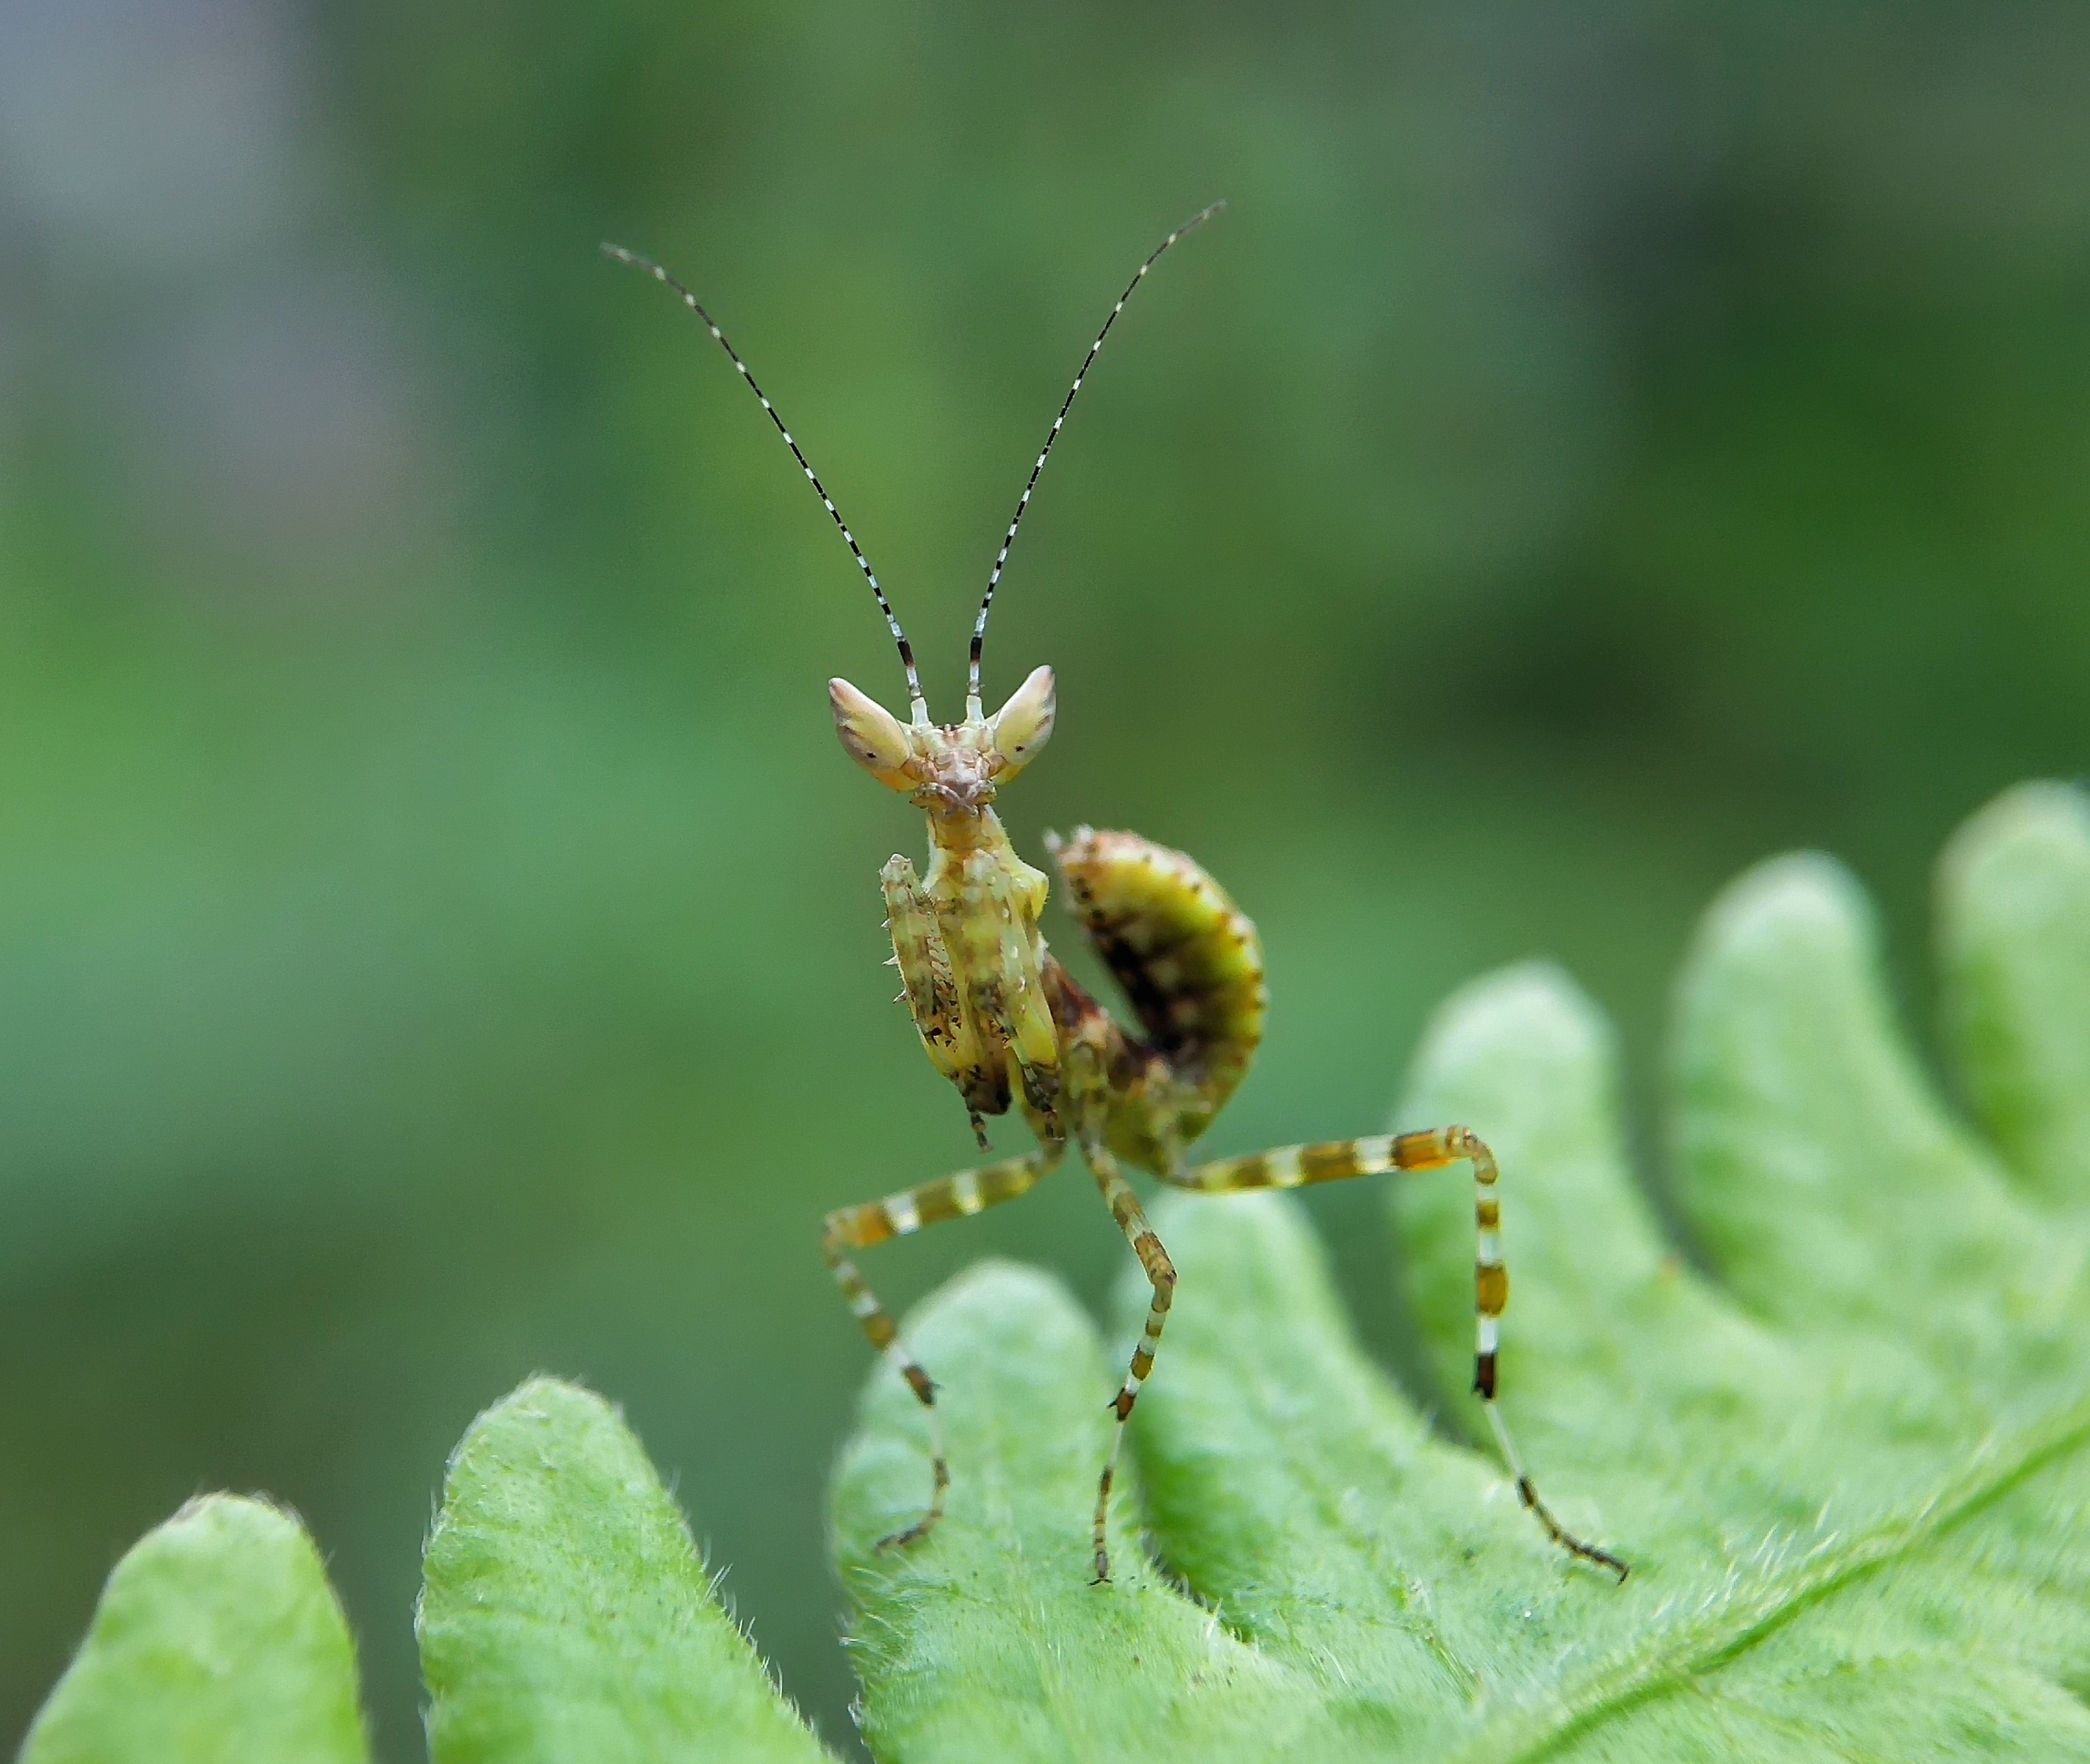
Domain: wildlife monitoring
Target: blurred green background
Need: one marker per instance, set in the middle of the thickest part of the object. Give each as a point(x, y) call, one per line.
point(439, 934)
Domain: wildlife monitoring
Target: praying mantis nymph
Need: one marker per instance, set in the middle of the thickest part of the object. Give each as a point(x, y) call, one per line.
point(1009, 1026)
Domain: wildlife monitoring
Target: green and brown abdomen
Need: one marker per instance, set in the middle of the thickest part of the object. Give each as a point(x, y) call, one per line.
point(1190, 964)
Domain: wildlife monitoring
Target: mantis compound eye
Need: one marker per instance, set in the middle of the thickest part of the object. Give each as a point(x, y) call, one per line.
point(1024, 724)
point(872, 736)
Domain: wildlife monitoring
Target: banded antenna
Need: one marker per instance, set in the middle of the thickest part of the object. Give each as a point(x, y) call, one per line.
point(919, 709)
point(973, 708)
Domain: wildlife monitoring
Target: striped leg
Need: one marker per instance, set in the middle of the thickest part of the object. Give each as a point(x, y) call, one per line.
point(859, 1227)
point(1296, 1166)
point(1131, 1219)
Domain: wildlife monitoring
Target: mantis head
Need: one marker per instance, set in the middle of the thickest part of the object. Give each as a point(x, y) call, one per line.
point(950, 768)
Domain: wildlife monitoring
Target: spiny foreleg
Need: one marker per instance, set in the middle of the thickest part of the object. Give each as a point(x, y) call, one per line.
point(1296, 1166)
point(898, 1216)
point(1160, 1273)
point(994, 927)
point(930, 986)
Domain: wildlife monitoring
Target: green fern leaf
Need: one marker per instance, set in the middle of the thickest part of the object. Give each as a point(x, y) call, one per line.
point(565, 1613)
point(217, 1638)
point(1845, 1447)
point(1848, 1457)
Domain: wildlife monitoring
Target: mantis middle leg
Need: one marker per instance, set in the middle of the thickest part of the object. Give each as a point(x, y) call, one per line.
point(859, 1227)
point(1160, 1272)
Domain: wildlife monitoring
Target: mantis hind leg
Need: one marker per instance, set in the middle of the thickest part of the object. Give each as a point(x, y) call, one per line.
point(849, 1229)
point(1296, 1166)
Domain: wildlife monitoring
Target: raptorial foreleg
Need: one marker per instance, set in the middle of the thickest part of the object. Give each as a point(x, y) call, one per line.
point(1296, 1166)
point(930, 986)
point(995, 934)
point(898, 1216)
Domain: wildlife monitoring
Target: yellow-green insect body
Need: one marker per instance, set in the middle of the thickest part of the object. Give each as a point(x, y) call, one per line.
point(1005, 1022)
point(965, 937)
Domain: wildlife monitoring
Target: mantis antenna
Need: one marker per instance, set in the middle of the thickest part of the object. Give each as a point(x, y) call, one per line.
point(972, 708)
point(918, 706)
